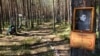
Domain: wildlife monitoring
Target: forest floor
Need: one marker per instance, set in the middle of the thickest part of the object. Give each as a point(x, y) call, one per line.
point(42, 42)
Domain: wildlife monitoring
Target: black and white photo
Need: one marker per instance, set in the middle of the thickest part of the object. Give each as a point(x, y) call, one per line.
point(83, 19)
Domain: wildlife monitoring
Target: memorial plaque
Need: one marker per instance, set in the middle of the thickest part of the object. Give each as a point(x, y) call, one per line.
point(82, 40)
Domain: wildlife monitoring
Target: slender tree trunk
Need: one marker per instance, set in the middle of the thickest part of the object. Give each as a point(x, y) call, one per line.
point(99, 25)
point(40, 12)
point(53, 14)
point(26, 12)
point(16, 15)
point(3, 13)
point(0, 17)
point(33, 14)
point(64, 11)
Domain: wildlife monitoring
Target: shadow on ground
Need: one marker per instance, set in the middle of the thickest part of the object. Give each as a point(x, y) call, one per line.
point(35, 46)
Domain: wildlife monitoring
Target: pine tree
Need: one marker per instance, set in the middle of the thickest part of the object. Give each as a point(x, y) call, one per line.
point(0, 17)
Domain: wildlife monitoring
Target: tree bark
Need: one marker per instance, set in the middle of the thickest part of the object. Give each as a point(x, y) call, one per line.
point(82, 3)
point(53, 14)
point(0, 17)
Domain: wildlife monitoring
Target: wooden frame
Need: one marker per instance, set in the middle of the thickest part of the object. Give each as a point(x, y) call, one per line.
point(83, 19)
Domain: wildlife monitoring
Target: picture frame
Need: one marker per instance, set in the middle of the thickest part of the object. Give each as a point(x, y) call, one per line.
point(83, 19)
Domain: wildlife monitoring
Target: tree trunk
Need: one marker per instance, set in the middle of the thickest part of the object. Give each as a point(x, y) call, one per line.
point(0, 17)
point(53, 14)
point(75, 4)
point(99, 24)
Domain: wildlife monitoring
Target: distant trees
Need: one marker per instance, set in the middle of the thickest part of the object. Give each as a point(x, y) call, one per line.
point(35, 12)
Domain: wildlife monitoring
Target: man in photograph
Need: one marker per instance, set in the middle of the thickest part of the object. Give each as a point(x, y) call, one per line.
point(83, 22)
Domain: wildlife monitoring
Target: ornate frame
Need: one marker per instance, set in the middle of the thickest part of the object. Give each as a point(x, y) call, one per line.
point(88, 10)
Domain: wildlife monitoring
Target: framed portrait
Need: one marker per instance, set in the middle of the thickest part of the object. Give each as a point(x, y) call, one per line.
point(83, 19)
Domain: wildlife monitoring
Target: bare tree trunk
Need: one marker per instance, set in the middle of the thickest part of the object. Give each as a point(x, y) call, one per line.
point(99, 25)
point(3, 13)
point(0, 17)
point(64, 11)
point(53, 14)
point(32, 13)
point(69, 9)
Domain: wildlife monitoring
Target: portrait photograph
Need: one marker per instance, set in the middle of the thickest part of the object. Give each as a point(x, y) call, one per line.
point(83, 19)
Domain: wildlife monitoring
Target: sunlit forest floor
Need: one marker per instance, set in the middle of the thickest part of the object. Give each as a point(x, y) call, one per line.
point(41, 42)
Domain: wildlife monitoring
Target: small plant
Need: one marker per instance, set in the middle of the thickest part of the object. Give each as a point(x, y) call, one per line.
point(49, 53)
point(29, 40)
point(64, 37)
point(26, 52)
point(10, 37)
point(1, 36)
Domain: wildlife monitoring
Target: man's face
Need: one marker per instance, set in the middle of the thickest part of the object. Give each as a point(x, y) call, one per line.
point(83, 17)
